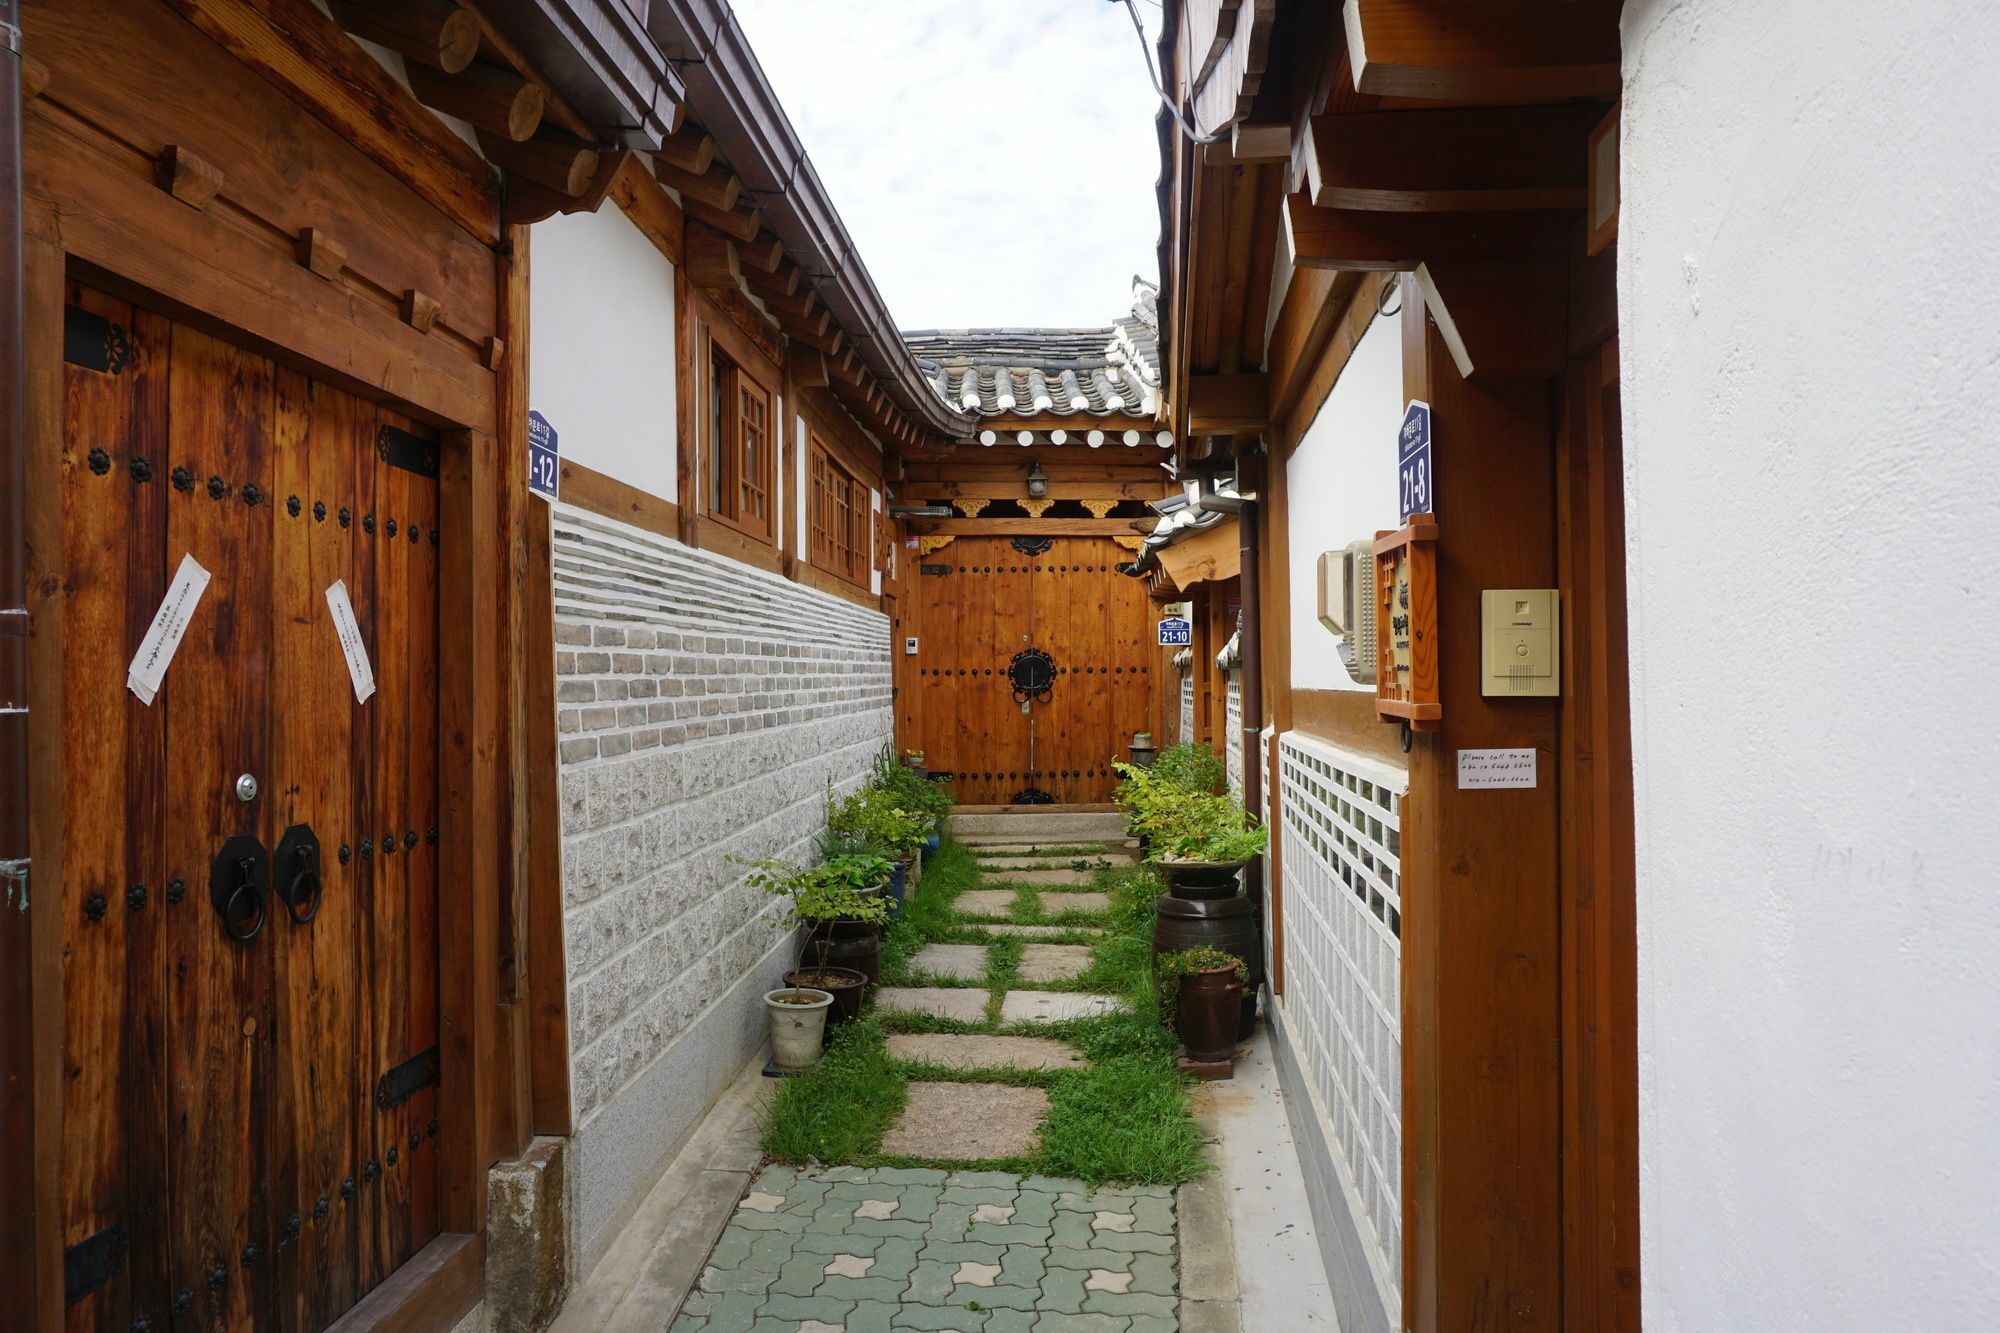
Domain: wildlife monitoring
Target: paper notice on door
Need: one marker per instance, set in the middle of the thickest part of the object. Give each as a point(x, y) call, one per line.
point(163, 636)
point(351, 645)
point(1495, 768)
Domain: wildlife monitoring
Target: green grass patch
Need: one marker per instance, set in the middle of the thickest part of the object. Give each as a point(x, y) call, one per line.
point(1123, 1118)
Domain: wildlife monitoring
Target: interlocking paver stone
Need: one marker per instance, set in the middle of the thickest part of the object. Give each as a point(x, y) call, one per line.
point(1054, 962)
point(967, 1004)
point(961, 962)
point(920, 1248)
point(1046, 1006)
point(985, 902)
point(951, 1050)
point(967, 1120)
point(1055, 904)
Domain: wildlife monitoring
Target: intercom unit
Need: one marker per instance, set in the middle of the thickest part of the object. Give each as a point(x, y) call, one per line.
point(1347, 606)
point(1521, 654)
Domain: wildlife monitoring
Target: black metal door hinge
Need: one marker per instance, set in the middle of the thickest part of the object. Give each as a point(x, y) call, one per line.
point(89, 1264)
point(407, 1079)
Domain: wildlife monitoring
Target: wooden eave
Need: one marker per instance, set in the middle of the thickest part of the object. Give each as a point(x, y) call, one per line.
point(1210, 556)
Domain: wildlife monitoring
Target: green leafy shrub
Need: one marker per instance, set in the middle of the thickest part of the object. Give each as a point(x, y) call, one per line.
point(1195, 767)
point(844, 888)
point(873, 816)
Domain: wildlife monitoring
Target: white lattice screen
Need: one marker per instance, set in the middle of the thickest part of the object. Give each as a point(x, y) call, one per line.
point(1342, 904)
point(1232, 716)
point(1187, 707)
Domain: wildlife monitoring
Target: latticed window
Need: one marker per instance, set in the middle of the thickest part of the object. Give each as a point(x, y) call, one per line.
point(740, 447)
point(841, 514)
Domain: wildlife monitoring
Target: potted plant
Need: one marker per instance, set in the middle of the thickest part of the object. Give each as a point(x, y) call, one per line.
point(914, 761)
point(875, 816)
point(844, 891)
point(915, 792)
point(1202, 990)
point(1203, 842)
point(798, 1025)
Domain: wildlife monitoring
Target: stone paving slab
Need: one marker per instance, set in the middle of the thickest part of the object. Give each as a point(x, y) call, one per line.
point(1054, 904)
point(1039, 877)
point(850, 1249)
point(985, 902)
point(1036, 932)
point(1049, 1006)
point(966, 1003)
point(968, 1120)
point(962, 962)
point(955, 1051)
point(1054, 962)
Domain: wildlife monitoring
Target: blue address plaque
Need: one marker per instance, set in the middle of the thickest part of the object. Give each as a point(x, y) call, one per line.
point(1176, 632)
point(544, 459)
point(1416, 484)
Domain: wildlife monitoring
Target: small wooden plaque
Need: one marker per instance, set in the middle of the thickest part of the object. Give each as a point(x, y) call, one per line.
point(1406, 672)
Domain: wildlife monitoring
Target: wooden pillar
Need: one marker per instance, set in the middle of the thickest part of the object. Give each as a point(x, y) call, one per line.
point(1482, 1128)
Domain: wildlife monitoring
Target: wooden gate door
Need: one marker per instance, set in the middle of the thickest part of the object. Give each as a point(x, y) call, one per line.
point(250, 1033)
point(986, 607)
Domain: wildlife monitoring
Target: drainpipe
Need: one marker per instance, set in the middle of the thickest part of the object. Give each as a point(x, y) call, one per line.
point(16, 1031)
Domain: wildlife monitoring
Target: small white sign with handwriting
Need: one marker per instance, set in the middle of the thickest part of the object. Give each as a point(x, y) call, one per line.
point(163, 636)
point(352, 646)
point(1495, 768)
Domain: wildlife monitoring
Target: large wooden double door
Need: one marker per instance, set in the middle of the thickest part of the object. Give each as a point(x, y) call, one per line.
point(250, 1046)
point(1034, 666)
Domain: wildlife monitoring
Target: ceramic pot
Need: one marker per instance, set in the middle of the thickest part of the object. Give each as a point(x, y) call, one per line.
point(798, 1024)
point(1206, 1013)
point(855, 944)
point(1230, 924)
point(846, 985)
point(898, 888)
point(1201, 879)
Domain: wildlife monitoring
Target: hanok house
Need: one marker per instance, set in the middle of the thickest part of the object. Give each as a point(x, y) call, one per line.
point(1025, 663)
point(377, 940)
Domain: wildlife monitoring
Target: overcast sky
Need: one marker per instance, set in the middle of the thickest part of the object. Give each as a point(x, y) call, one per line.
point(994, 160)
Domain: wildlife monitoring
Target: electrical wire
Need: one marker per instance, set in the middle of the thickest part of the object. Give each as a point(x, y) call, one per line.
point(1146, 51)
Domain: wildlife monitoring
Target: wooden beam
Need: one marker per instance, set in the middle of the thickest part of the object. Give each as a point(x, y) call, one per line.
point(1398, 242)
point(1027, 527)
point(495, 46)
point(1488, 159)
point(691, 149)
point(1499, 317)
point(648, 206)
point(551, 159)
point(739, 224)
point(711, 259)
point(301, 50)
point(718, 187)
point(1261, 142)
point(1207, 557)
point(784, 282)
point(809, 367)
point(802, 306)
point(1228, 404)
point(491, 97)
point(762, 253)
point(1478, 51)
point(813, 334)
point(439, 33)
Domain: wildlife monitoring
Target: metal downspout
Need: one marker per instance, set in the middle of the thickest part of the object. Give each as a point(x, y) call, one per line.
point(17, 1220)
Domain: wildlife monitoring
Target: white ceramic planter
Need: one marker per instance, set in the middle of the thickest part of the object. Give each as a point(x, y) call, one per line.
point(796, 1029)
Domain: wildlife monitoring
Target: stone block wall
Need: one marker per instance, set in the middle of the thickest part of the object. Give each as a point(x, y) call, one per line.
point(703, 708)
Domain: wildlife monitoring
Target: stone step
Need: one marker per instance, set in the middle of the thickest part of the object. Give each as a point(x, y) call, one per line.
point(1053, 1006)
point(1035, 932)
point(967, 1120)
point(1054, 904)
point(986, 902)
point(961, 962)
point(1013, 876)
point(965, 1004)
point(1016, 856)
point(951, 1050)
point(1049, 828)
point(1054, 962)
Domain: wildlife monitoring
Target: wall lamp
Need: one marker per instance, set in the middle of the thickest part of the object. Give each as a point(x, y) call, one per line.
point(1038, 481)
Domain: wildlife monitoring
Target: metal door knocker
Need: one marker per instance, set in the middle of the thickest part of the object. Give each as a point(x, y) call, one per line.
point(1032, 674)
point(237, 883)
point(299, 881)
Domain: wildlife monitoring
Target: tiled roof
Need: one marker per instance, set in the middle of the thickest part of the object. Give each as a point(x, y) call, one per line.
point(1025, 372)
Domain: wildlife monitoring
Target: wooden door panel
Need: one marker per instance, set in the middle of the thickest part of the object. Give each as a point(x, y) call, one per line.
point(219, 1094)
point(115, 898)
point(220, 1035)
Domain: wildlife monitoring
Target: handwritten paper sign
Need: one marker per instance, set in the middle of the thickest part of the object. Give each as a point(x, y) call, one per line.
point(352, 646)
point(163, 636)
point(1495, 768)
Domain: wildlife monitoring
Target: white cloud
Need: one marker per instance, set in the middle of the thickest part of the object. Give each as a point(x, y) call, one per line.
point(994, 160)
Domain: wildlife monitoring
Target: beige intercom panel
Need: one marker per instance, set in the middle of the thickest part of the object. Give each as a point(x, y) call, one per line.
point(1347, 606)
point(1520, 642)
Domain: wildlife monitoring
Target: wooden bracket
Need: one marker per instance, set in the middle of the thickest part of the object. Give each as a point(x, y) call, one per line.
point(711, 259)
point(440, 33)
point(419, 311)
point(318, 252)
point(491, 97)
point(188, 178)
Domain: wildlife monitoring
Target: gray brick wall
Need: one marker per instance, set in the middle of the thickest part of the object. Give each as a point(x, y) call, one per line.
point(702, 707)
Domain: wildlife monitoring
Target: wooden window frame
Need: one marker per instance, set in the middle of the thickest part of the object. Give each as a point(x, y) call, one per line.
point(736, 492)
point(841, 538)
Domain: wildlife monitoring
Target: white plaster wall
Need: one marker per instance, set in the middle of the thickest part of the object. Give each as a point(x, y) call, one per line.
point(601, 346)
point(1810, 314)
point(1340, 487)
